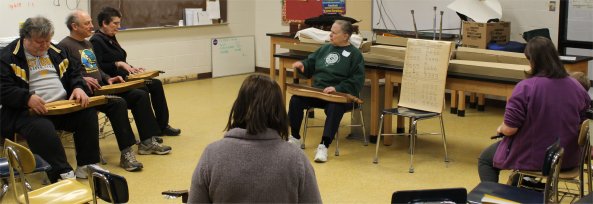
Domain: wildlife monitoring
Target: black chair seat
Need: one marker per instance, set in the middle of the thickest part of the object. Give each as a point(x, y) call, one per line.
point(411, 113)
point(40, 165)
point(512, 193)
point(455, 195)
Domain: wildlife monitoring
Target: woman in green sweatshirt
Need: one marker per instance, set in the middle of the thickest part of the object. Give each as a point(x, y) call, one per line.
point(335, 67)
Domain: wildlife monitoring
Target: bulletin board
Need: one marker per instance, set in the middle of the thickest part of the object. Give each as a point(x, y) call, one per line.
point(299, 10)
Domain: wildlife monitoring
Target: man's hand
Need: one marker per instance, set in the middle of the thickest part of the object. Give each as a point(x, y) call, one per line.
point(37, 104)
point(329, 89)
point(92, 83)
point(115, 80)
point(80, 97)
point(298, 65)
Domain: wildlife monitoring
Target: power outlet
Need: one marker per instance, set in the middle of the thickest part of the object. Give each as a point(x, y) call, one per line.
point(552, 6)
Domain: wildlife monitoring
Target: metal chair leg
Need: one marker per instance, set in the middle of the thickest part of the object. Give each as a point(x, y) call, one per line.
point(412, 143)
point(444, 138)
point(376, 159)
point(4, 188)
point(304, 137)
point(337, 153)
point(364, 135)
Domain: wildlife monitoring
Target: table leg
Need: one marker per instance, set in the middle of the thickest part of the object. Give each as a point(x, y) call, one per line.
point(454, 101)
point(481, 102)
point(272, 60)
point(461, 108)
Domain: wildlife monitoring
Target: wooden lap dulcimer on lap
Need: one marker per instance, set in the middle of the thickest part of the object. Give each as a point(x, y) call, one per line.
point(119, 88)
point(307, 91)
point(144, 75)
point(68, 106)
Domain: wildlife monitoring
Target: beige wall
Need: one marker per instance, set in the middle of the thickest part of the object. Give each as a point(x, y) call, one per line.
point(185, 51)
point(268, 18)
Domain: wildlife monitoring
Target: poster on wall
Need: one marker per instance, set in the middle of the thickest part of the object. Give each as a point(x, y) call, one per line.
point(299, 10)
point(334, 7)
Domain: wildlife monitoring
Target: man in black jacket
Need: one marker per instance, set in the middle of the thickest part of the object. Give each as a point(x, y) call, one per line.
point(80, 25)
point(34, 72)
point(111, 58)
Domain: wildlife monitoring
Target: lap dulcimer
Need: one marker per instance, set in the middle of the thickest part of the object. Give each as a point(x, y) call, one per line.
point(307, 91)
point(68, 106)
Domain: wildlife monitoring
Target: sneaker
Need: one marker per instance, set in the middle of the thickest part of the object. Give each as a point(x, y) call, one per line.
point(82, 171)
point(321, 154)
point(159, 139)
point(296, 142)
point(170, 131)
point(68, 175)
point(128, 160)
point(153, 147)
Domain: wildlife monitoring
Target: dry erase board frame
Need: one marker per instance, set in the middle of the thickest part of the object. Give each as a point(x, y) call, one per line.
point(564, 27)
point(153, 13)
point(232, 55)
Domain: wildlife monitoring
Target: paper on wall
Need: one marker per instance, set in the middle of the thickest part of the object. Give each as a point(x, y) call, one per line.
point(213, 9)
point(203, 18)
point(479, 10)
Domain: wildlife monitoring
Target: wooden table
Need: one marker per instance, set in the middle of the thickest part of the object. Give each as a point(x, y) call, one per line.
point(462, 83)
point(276, 38)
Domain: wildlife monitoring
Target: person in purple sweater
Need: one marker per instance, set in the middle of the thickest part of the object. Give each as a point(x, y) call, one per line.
point(546, 107)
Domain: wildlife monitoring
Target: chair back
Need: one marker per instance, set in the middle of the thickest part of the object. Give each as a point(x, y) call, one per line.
point(22, 160)
point(107, 186)
point(551, 169)
point(424, 75)
point(447, 195)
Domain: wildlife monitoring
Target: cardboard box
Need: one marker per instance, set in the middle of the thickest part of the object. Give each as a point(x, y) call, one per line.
point(513, 71)
point(478, 35)
point(475, 54)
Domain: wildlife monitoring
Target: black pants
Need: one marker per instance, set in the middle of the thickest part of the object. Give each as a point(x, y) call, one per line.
point(117, 112)
point(333, 111)
point(159, 102)
point(138, 100)
point(486, 168)
point(40, 133)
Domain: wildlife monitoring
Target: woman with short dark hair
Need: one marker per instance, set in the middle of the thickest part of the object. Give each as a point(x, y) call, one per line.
point(546, 107)
point(253, 163)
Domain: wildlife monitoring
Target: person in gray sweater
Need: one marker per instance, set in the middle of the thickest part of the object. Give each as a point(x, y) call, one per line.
point(254, 162)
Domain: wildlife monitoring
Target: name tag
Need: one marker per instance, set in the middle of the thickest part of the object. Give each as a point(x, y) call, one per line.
point(345, 53)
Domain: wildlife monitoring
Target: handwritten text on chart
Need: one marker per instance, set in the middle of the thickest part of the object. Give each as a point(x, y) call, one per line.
point(230, 45)
point(20, 4)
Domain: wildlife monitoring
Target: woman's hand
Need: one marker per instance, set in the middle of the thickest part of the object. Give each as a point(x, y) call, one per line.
point(329, 89)
point(298, 65)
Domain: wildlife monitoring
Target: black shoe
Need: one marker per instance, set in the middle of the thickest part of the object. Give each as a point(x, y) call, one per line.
point(170, 131)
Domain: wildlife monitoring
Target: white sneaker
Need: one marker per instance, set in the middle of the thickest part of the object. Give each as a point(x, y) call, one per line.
point(321, 154)
point(296, 142)
point(82, 171)
point(68, 175)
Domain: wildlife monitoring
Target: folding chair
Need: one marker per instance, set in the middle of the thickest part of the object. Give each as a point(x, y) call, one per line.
point(422, 90)
point(21, 159)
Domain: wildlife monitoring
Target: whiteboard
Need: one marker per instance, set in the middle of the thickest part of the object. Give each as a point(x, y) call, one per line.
point(395, 15)
point(579, 24)
point(13, 12)
point(233, 55)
